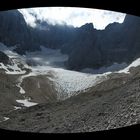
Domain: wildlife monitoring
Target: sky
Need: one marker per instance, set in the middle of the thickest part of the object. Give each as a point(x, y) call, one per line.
point(72, 16)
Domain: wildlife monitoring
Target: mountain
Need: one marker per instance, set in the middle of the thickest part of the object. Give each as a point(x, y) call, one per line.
point(14, 31)
point(91, 48)
point(117, 43)
point(40, 91)
point(52, 36)
point(85, 46)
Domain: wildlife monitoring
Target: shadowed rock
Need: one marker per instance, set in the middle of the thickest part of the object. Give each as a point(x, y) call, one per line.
point(4, 58)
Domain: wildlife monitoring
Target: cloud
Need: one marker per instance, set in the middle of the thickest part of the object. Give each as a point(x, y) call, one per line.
point(72, 16)
point(29, 18)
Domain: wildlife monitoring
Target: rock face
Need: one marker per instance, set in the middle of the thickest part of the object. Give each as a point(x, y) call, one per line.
point(84, 49)
point(117, 43)
point(52, 36)
point(14, 31)
point(4, 58)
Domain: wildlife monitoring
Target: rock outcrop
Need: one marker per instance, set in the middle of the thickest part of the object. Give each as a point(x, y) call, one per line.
point(14, 31)
point(4, 58)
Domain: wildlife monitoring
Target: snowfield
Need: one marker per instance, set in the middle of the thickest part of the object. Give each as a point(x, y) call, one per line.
point(133, 64)
point(67, 83)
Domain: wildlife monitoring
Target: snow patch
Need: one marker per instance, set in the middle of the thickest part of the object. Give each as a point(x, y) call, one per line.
point(22, 91)
point(117, 68)
point(133, 64)
point(16, 108)
point(20, 80)
point(113, 68)
point(4, 119)
point(26, 103)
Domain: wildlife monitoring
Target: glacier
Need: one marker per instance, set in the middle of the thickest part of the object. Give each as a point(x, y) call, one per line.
point(67, 82)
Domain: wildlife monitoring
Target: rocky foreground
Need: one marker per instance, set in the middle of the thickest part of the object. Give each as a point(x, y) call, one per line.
point(110, 104)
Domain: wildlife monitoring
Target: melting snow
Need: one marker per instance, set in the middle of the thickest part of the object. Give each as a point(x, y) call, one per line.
point(14, 69)
point(16, 108)
point(117, 68)
point(133, 64)
point(4, 119)
point(113, 68)
point(20, 80)
point(38, 85)
point(26, 103)
point(22, 91)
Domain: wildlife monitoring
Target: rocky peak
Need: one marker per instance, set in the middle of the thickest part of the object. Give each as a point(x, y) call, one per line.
point(87, 27)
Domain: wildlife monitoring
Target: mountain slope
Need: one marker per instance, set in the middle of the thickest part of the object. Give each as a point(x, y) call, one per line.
point(14, 31)
point(106, 106)
point(85, 46)
point(117, 43)
point(37, 91)
point(111, 103)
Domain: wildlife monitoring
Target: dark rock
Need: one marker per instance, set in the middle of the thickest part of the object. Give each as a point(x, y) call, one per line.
point(4, 58)
point(117, 43)
point(14, 31)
